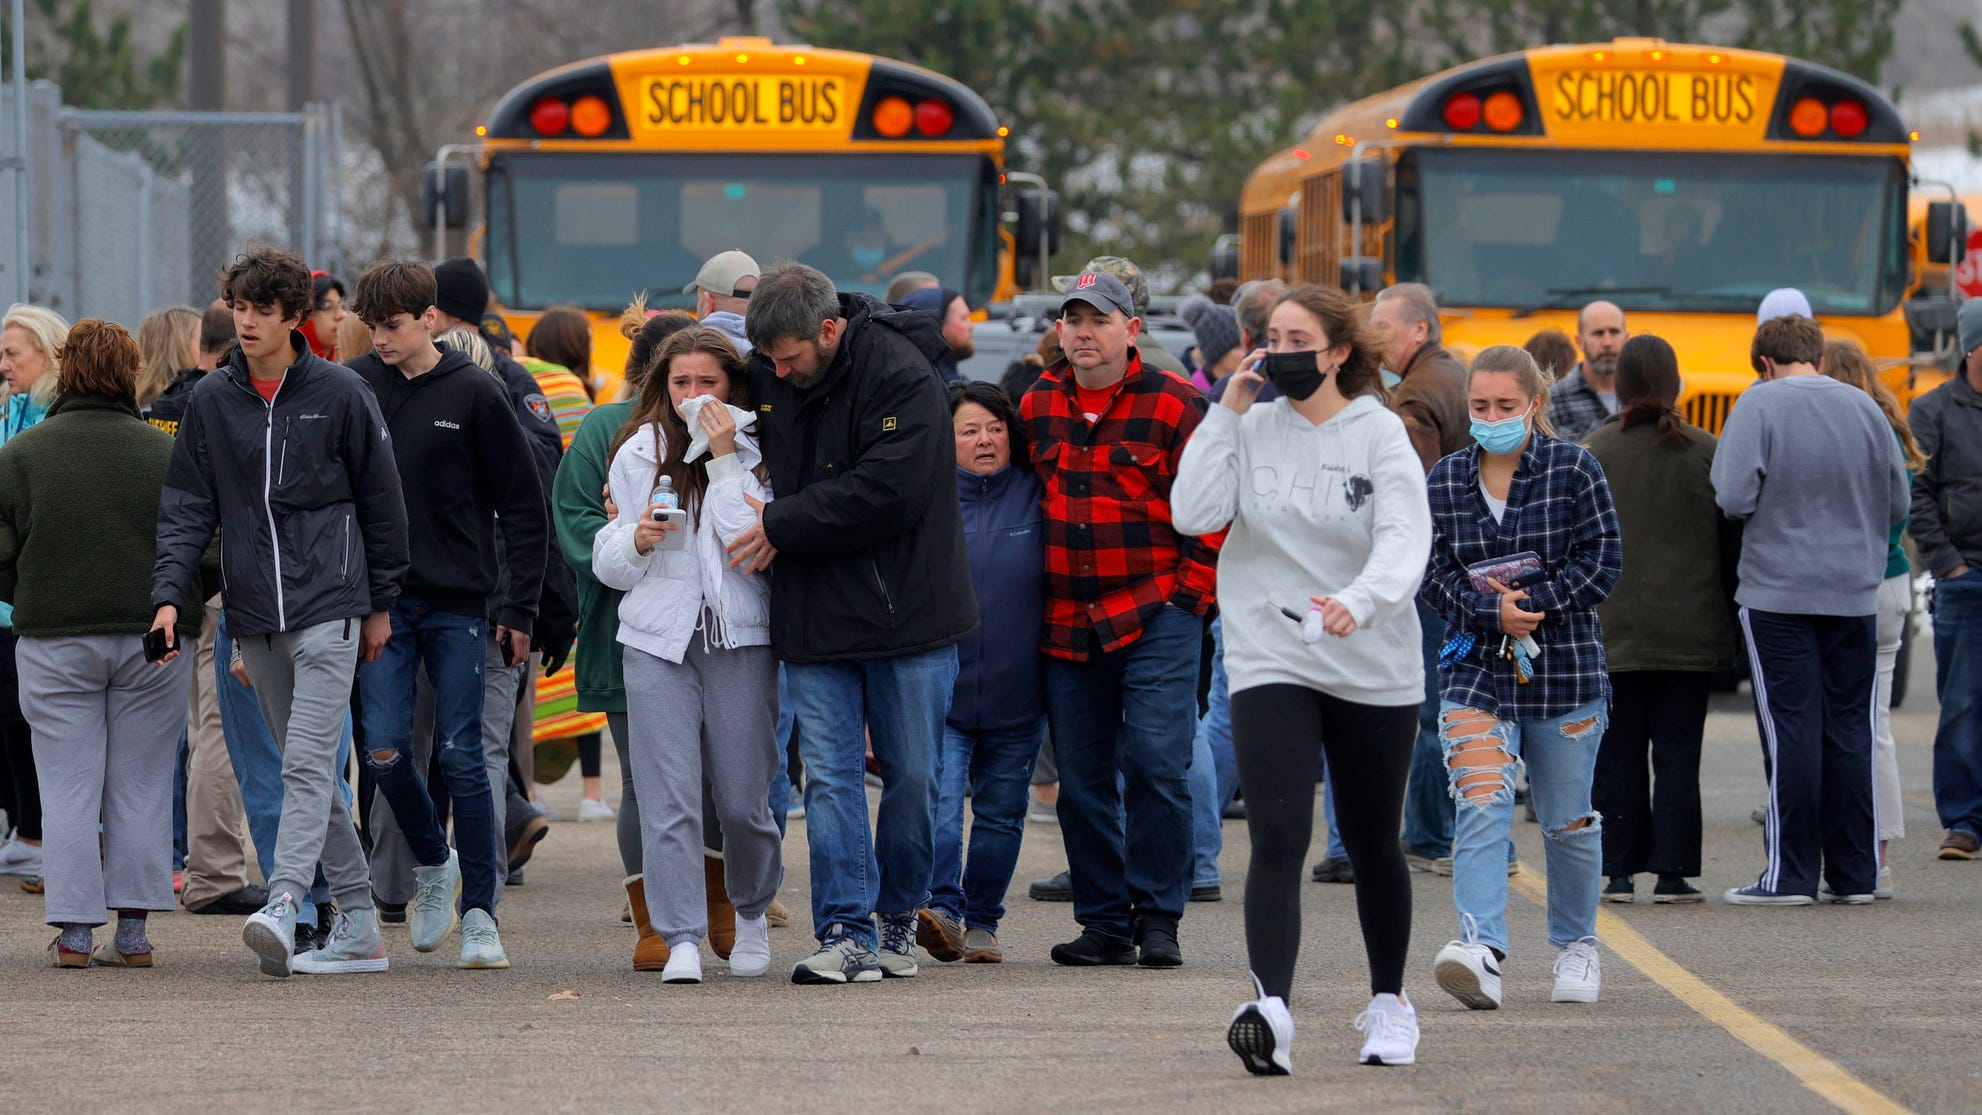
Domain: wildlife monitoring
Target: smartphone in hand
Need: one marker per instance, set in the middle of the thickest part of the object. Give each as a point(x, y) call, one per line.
point(156, 645)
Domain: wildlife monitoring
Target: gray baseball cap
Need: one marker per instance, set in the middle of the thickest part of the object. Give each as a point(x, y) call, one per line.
point(1101, 290)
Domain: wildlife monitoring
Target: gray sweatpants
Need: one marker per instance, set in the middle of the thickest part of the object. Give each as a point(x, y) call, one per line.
point(303, 684)
point(106, 729)
point(392, 859)
point(717, 712)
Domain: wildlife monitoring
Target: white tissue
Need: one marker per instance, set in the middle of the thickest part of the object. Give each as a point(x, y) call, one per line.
point(698, 438)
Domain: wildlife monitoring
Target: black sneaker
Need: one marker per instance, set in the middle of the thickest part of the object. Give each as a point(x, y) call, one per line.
point(1060, 888)
point(1093, 950)
point(240, 903)
point(1156, 941)
point(523, 828)
point(1620, 889)
point(1210, 892)
point(1235, 811)
point(1674, 890)
point(390, 913)
point(1334, 871)
point(514, 878)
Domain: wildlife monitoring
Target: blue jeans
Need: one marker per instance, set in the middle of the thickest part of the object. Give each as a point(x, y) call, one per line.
point(1958, 684)
point(781, 778)
point(1336, 850)
point(179, 806)
point(453, 648)
point(901, 703)
point(1561, 755)
point(1129, 713)
point(1428, 817)
point(1214, 768)
point(257, 761)
point(994, 768)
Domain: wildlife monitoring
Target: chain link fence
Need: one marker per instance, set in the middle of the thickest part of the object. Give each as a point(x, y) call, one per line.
point(133, 211)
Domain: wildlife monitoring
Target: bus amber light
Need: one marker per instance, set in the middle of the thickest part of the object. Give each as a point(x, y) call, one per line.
point(893, 117)
point(1462, 112)
point(1808, 117)
point(1849, 119)
point(590, 116)
point(549, 116)
point(933, 117)
point(1003, 131)
point(1503, 111)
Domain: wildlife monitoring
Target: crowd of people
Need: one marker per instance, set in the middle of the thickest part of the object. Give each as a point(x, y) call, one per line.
point(250, 543)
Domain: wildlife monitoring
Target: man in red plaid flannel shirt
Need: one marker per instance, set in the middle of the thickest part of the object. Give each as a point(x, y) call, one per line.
point(1125, 601)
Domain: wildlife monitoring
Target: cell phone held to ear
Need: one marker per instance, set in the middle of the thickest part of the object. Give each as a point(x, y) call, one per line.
point(156, 644)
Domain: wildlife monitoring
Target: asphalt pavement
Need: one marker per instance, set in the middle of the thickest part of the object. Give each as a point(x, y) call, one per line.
point(1705, 1008)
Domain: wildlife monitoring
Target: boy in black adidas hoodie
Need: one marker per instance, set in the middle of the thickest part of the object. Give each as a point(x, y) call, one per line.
point(467, 472)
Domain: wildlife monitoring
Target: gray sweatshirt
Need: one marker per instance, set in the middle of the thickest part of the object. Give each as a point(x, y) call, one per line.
point(1331, 510)
point(1812, 467)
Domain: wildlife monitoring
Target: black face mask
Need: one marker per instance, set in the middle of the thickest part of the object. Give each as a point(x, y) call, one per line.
point(1294, 374)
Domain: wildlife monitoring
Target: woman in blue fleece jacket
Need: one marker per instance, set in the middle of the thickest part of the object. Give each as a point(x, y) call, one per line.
point(998, 710)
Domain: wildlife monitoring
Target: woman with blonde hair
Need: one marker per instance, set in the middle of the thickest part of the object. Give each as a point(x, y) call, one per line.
point(76, 560)
point(168, 343)
point(1525, 545)
point(1847, 362)
point(30, 360)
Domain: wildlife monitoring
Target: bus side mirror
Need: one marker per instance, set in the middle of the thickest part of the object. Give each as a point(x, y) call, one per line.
point(1039, 221)
point(444, 195)
point(1363, 186)
point(1947, 232)
point(1225, 257)
point(1362, 274)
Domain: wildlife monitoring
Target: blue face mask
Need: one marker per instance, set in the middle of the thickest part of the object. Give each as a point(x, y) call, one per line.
point(1504, 436)
point(868, 257)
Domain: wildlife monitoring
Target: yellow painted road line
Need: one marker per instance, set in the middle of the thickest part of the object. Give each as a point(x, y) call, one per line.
point(1816, 1072)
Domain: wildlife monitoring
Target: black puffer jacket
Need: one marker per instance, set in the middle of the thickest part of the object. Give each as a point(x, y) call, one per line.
point(871, 560)
point(304, 490)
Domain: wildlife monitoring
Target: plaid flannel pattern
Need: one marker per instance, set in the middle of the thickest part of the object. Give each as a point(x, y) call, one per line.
point(1112, 558)
point(1575, 408)
point(1558, 506)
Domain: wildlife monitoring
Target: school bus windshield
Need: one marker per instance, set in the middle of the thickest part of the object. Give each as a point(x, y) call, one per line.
point(588, 229)
point(1652, 231)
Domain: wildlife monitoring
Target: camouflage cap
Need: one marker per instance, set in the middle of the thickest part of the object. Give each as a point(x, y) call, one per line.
point(1122, 269)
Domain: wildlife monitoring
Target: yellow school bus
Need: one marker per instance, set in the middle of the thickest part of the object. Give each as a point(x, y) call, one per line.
point(1680, 182)
point(623, 173)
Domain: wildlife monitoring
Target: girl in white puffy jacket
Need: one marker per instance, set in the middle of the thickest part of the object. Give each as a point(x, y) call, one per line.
point(701, 682)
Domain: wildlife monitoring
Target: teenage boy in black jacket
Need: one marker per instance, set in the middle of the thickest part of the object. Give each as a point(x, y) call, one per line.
point(288, 454)
point(466, 470)
point(870, 594)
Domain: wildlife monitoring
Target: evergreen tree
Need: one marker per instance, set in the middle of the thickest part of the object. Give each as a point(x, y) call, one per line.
point(97, 67)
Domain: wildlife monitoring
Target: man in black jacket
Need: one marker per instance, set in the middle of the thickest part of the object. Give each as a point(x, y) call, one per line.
point(288, 455)
point(466, 470)
point(870, 593)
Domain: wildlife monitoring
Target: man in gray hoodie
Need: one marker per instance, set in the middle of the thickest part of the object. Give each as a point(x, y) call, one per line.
point(1812, 468)
point(722, 294)
point(1947, 525)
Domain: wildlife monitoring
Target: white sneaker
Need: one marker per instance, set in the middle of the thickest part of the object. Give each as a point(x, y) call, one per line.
point(751, 954)
point(1885, 887)
point(1390, 1031)
point(481, 945)
point(550, 812)
point(589, 810)
point(684, 963)
point(1578, 973)
point(1262, 1034)
point(18, 857)
point(1468, 971)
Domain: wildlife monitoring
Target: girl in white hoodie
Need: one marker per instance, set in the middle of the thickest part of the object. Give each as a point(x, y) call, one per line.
point(701, 682)
point(1330, 530)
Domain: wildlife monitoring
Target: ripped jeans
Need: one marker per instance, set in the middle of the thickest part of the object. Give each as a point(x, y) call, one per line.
point(1561, 754)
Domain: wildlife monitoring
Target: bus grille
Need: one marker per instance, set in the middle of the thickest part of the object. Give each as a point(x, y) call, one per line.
point(1707, 410)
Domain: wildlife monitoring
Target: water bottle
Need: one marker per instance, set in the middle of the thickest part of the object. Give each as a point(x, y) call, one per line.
point(664, 497)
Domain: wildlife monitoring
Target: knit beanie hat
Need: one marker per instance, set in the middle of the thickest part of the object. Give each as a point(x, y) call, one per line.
point(1217, 332)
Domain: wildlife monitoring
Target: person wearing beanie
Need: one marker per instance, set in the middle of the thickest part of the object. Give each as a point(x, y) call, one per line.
point(1218, 351)
point(1947, 527)
point(958, 329)
point(1193, 307)
point(1782, 302)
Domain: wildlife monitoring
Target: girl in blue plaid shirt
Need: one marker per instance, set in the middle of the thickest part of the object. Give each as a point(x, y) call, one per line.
point(1522, 674)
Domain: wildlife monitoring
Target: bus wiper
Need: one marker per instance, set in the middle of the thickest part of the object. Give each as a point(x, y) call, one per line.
point(1564, 298)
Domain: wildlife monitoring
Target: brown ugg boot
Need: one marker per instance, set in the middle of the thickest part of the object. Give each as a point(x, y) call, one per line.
point(650, 952)
point(722, 914)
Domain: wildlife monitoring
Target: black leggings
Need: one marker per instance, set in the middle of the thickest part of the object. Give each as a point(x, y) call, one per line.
point(1280, 733)
point(22, 799)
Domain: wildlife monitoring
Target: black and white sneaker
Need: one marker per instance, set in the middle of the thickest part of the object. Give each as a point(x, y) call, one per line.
point(1469, 972)
point(1262, 1034)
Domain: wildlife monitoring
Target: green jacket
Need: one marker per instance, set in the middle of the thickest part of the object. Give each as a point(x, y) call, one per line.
point(1673, 606)
point(579, 512)
point(79, 498)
